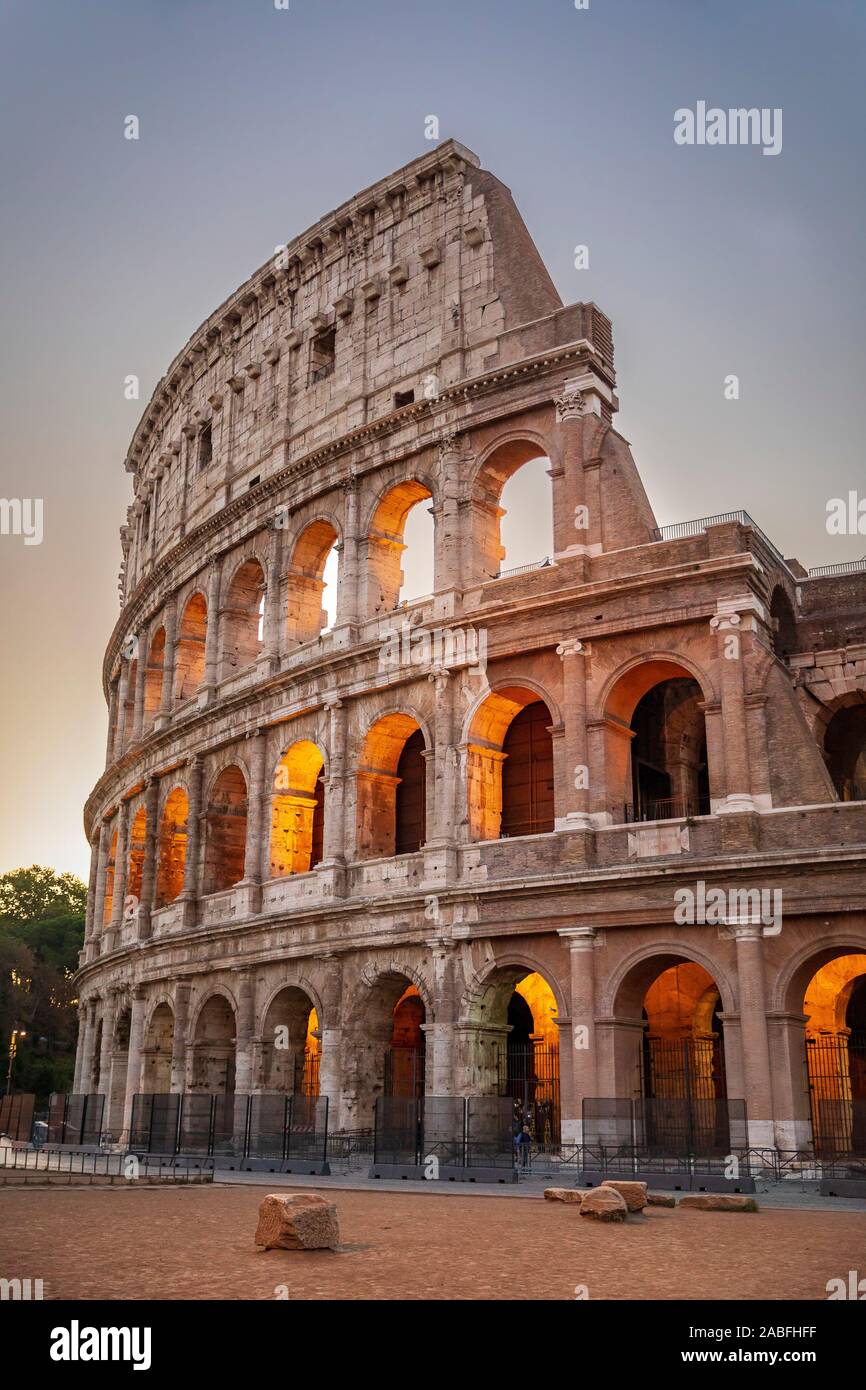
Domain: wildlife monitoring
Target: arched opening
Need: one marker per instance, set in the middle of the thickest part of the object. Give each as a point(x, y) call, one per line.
point(153, 675)
point(526, 517)
point(656, 745)
point(172, 846)
point(190, 649)
point(297, 811)
point(671, 1059)
point(510, 766)
point(110, 867)
point(291, 1045)
point(242, 618)
point(311, 605)
point(135, 870)
point(784, 624)
point(400, 548)
point(226, 831)
point(405, 1054)
point(845, 752)
point(213, 1048)
point(391, 783)
point(156, 1052)
point(835, 1005)
point(514, 1050)
point(512, 510)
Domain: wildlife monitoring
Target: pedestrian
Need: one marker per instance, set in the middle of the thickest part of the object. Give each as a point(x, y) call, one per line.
point(523, 1142)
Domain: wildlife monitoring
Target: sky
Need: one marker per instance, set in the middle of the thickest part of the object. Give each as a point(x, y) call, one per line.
point(711, 261)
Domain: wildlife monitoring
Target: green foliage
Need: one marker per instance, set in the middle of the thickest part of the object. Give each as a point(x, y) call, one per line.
point(41, 934)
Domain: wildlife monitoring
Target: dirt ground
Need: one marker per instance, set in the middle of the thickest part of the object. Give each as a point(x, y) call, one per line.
point(197, 1243)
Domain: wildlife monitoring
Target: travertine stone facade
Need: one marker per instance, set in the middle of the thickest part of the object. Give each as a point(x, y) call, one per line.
point(247, 861)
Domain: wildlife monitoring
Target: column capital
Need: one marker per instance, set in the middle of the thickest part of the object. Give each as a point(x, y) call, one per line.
point(580, 938)
point(573, 646)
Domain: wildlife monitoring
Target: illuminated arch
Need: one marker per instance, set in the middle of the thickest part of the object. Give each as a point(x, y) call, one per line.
point(297, 810)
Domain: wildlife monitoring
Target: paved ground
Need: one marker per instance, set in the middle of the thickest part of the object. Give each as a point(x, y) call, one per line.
point(197, 1243)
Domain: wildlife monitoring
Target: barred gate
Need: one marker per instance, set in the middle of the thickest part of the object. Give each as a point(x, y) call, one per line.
point(529, 1074)
point(836, 1073)
point(683, 1079)
point(404, 1072)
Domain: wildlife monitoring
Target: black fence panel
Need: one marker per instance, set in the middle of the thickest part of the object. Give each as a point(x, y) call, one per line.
point(287, 1127)
point(443, 1132)
point(490, 1132)
point(674, 1126)
point(397, 1130)
point(155, 1123)
point(75, 1119)
point(16, 1116)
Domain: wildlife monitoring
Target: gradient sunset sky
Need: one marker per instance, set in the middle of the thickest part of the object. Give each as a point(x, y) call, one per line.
point(256, 121)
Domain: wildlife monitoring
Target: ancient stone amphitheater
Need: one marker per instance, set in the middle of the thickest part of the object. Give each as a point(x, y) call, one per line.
point(472, 843)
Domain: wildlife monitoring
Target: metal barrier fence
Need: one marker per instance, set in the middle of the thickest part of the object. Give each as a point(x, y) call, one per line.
point(75, 1119)
point(90, 1164)
point(675, 1127)
point(16, 1116)
point(458, 1131)
point(269, 1125)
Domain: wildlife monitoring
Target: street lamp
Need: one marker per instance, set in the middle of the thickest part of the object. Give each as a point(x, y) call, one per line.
point(13, 1048)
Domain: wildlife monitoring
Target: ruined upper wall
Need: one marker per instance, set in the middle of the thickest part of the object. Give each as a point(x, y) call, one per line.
point(419, 282)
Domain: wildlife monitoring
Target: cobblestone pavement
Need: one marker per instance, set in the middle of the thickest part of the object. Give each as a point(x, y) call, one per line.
point(197, 1243)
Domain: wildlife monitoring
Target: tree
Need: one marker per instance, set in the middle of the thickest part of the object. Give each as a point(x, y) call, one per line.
point(41, 934)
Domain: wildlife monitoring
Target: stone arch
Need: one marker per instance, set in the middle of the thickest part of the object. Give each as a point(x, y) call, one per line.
point(498, 464)
point(384, 532)
point(291, 1042)
point(190, 647)
point(241, 616)
point(226, 822)
point(384, 1051)
point(173, 833)
point(298, 810)
point(654, 739)
point(110, 870)
point(390, 781)
point(306, 617)
point(213, 1035)
point(153, 675)
point(783, 623)
point(135, 852)
point(491, 810)
point(157, 1046)
point(841, 733)
point(638, 968)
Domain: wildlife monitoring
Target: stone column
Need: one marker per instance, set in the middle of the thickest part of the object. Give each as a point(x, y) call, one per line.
point(334, 849)
point(572, 518)
point(189, 893)
point(140, 681)
point(179, 1037)
point(163, 716)
point(731, 657)
point(575, 793)
point(331, 1030)
point(348, 597)
point(274, 614)
point(101, 884)
point(148, 868)
point(211, 644)
point(120, 722)
point(85, 1078)
point(79, 1048)
point(440, 827)
point(448, 557)
point(109, 1018)
point(753, 1026)
point(245, 1024)
point(118, 891)
point(90, 915)
point(257, 749)
point(439, 1033)
point(111, 735)
point(133, 1066)
point(581, 943)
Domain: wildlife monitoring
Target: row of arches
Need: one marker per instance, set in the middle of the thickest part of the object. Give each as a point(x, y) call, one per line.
point(399, 546)
point(674, 1062)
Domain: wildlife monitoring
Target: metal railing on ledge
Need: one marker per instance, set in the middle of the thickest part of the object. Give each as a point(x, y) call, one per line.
point(525, 569)
point(682, 529)
point(845, 567)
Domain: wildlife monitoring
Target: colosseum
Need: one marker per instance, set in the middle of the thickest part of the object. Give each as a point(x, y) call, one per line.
point(586, 836)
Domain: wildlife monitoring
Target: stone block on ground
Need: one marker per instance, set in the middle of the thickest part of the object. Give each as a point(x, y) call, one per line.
point(718, 1201)
point(661, 1199)
point(300, 1221)
point(633, 1193)
point(564, 1194)
point(603, 1204)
